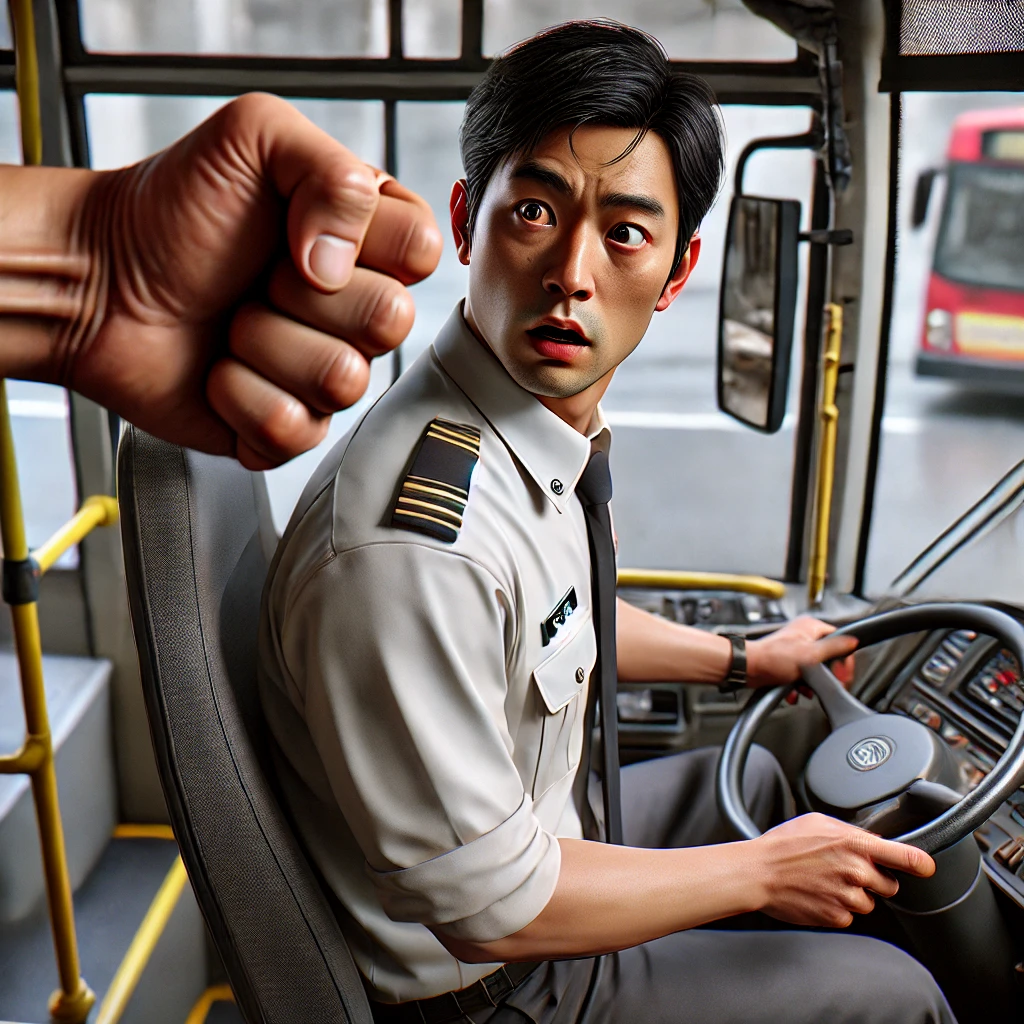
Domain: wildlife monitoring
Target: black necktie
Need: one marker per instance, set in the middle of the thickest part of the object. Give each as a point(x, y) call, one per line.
point(595, 491)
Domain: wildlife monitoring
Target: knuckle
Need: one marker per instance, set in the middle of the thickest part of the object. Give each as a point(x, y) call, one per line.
point(841, 918)
point(352, 190)
point(391, 316)
point(344, 379)
point(420, 247)
point(285, 429)
point(250, 110)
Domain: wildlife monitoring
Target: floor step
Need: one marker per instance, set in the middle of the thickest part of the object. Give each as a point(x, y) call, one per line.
point(78, 700)
point(109, 907)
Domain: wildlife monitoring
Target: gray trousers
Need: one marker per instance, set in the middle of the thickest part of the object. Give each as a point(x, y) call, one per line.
point(724, 975)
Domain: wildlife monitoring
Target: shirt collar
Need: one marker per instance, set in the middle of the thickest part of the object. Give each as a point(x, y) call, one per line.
point(552, 452)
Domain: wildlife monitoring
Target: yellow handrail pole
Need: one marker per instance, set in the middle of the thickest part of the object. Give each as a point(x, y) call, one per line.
point(73, 1000)
point(671, 579)
point(98, 510)
point(826, 455)
point(26, 80)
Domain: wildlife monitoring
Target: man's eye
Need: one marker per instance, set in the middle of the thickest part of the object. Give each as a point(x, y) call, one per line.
point(627, 234)
point(534, 212)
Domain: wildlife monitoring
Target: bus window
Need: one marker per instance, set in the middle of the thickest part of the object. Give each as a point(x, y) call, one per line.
point(313, 28)
point(954, 415)
point(39, 413)
point(5, 31)
point(729, 510)
point(429, 163)
point(10, 147)
point(692, 30)
point(123, 129)
point(432, 28)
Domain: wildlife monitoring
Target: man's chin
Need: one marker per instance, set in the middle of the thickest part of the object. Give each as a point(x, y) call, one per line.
point(548, 382)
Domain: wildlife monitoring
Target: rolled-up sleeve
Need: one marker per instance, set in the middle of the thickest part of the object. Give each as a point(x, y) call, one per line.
point(399, 653)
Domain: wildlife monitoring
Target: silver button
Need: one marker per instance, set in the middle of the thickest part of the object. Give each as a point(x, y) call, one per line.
point(557, 486)
point(580, 675)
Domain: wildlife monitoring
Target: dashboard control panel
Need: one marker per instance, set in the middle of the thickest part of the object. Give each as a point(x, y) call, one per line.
point(708, 609)
point(968, 690)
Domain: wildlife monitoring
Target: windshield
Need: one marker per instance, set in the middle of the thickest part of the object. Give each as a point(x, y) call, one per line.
point(980, 239)
point(979, 557)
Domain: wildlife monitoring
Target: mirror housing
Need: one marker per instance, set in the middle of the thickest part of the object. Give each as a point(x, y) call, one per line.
point(757, 310)
point(922, 196)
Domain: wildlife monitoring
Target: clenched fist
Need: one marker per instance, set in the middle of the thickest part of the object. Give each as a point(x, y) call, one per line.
point(226, 293)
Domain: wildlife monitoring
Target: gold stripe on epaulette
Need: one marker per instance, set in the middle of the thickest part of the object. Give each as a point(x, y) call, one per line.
point(452, 440)
point(436, 509)
point(433, 490)
point(456, 492)
point(456, 435)
point(420, 515)
point(460, 428)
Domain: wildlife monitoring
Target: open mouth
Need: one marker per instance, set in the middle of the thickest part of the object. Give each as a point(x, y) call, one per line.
point(559, 335)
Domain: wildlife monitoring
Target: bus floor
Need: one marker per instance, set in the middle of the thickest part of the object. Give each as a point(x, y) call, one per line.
point(137, 877)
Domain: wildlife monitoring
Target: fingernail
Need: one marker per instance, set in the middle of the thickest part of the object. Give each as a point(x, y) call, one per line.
point(331, 260)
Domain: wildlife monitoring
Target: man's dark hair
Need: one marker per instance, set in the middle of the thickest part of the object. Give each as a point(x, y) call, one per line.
point(596, 73)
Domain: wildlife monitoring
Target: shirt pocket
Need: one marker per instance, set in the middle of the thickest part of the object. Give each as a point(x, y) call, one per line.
point(561, 682)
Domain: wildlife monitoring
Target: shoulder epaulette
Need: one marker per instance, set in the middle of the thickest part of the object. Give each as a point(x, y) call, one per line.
point(434, 494)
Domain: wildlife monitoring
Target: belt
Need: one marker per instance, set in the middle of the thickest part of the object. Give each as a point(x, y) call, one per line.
point(451, 1006)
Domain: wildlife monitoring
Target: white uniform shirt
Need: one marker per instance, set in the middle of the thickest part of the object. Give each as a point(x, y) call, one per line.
point(429, 734)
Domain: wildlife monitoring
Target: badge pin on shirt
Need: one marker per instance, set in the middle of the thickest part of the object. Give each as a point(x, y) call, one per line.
point(558, 617)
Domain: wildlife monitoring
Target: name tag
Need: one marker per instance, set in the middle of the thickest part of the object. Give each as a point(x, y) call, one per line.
point(558, 617)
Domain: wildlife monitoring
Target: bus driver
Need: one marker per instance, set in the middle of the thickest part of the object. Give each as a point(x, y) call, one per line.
point(429, 636)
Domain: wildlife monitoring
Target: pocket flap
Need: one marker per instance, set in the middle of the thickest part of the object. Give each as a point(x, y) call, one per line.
point(561, 675)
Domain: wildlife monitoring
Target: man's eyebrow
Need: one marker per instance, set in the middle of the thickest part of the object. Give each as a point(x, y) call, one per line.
point(646, 203)
point(532, 171)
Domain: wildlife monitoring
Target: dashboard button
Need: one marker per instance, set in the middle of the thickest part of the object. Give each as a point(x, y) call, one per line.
point(953, 738)
point(1011, 853)
point(927, 716)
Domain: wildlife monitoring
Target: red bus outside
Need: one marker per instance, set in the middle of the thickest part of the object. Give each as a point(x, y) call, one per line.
point(973, 326)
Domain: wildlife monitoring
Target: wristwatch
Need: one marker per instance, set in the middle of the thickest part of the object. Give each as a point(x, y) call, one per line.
point(736, 678)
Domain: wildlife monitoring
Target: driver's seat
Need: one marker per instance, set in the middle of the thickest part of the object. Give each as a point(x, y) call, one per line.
point(197, 539)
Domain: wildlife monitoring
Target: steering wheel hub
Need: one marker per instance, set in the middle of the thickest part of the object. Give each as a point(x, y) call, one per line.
point(873, 758)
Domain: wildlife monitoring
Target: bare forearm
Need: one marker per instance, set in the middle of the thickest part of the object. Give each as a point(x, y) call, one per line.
point(613, 897)
point(49, 288)
point(651, 648)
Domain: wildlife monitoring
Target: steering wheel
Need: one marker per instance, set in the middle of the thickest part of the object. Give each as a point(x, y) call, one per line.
point(870, 760)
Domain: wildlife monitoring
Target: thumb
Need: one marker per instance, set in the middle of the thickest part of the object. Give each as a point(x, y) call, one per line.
point(332, 195)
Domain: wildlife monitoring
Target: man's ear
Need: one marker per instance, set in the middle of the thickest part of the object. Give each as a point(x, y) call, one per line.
point(458, 207)
point(678, 279)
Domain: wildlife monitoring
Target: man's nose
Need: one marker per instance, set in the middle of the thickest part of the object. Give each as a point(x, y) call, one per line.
point(570, 272)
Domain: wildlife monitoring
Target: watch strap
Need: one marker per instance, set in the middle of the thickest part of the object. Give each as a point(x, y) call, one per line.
point(736, 678)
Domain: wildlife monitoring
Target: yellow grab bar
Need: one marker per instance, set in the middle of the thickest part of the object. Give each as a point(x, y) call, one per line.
point(667, 579)
point(73, 1000)
point(829, 429)
point(26, 80)
point(99, 510)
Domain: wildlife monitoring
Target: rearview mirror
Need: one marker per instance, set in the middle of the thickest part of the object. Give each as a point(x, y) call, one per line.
point(758, 305)
point(922, 195)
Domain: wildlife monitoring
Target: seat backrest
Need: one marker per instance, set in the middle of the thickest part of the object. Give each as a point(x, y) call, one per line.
point(197, 539)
